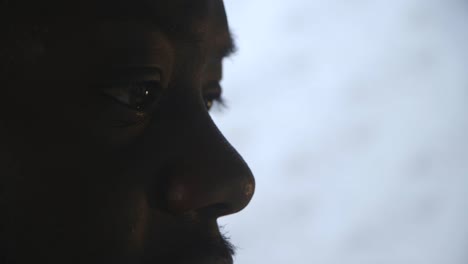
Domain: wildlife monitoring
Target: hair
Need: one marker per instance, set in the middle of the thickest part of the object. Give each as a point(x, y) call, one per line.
point(26, 24)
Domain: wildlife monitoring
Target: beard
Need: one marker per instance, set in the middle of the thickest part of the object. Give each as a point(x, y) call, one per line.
point(137, 233)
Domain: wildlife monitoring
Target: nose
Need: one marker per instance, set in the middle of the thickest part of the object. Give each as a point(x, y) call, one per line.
point(215, 181)
point(204, 173)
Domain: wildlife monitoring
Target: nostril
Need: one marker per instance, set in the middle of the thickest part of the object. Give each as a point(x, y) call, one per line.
point(182, 199)
point(221, 186)
point(207, 195)
point(215, 210)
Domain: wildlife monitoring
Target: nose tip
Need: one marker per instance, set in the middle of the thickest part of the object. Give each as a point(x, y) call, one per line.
point(214, 193)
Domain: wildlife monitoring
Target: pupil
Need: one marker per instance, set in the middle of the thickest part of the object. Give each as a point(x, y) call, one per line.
point(142, 97)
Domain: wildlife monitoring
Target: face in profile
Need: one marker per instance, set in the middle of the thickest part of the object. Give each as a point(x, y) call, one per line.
point(108, 152)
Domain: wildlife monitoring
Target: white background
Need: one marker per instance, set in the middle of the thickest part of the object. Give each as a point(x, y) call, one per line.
point(353, 115)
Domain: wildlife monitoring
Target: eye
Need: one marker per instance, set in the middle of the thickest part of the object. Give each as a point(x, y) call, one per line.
point(210, 100)
point(139, 95)
point(209, 103)
point(212, 95)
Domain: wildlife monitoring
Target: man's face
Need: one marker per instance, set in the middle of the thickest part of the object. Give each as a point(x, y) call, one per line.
point(112, 155)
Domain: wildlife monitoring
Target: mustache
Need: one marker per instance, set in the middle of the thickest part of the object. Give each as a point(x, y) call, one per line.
point(191, 243)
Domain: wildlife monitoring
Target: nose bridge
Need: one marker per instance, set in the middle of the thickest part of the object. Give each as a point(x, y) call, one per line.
point(205, 173)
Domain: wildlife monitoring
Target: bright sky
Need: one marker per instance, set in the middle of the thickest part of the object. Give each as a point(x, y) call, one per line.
point(353, 115)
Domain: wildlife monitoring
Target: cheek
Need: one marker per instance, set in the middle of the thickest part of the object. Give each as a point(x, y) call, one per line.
point(139, 226)
point(57, 210)
point(123, 224)
point(98, 121)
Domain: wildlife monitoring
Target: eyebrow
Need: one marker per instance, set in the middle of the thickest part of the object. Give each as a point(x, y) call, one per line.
point(225, 45)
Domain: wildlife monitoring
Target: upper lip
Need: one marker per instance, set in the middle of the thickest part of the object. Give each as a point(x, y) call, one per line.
point(194, 242)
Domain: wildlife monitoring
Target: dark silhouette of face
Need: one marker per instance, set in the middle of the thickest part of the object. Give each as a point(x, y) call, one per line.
point(108, 153)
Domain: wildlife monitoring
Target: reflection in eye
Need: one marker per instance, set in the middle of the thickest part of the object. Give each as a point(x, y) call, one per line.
point(139, 96)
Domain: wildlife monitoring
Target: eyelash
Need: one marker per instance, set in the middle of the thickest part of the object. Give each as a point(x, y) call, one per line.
point(214, 101)
point(213, 98)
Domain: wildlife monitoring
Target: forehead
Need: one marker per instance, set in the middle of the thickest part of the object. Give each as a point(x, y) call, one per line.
point(191, 19)
point(173, 15)
point(181, 19)
point(194, 22)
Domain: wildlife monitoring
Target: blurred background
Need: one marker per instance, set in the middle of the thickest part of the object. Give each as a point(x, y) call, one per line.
point(353, 115)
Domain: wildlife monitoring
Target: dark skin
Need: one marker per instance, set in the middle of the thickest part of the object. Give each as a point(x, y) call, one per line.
point(109, 154)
